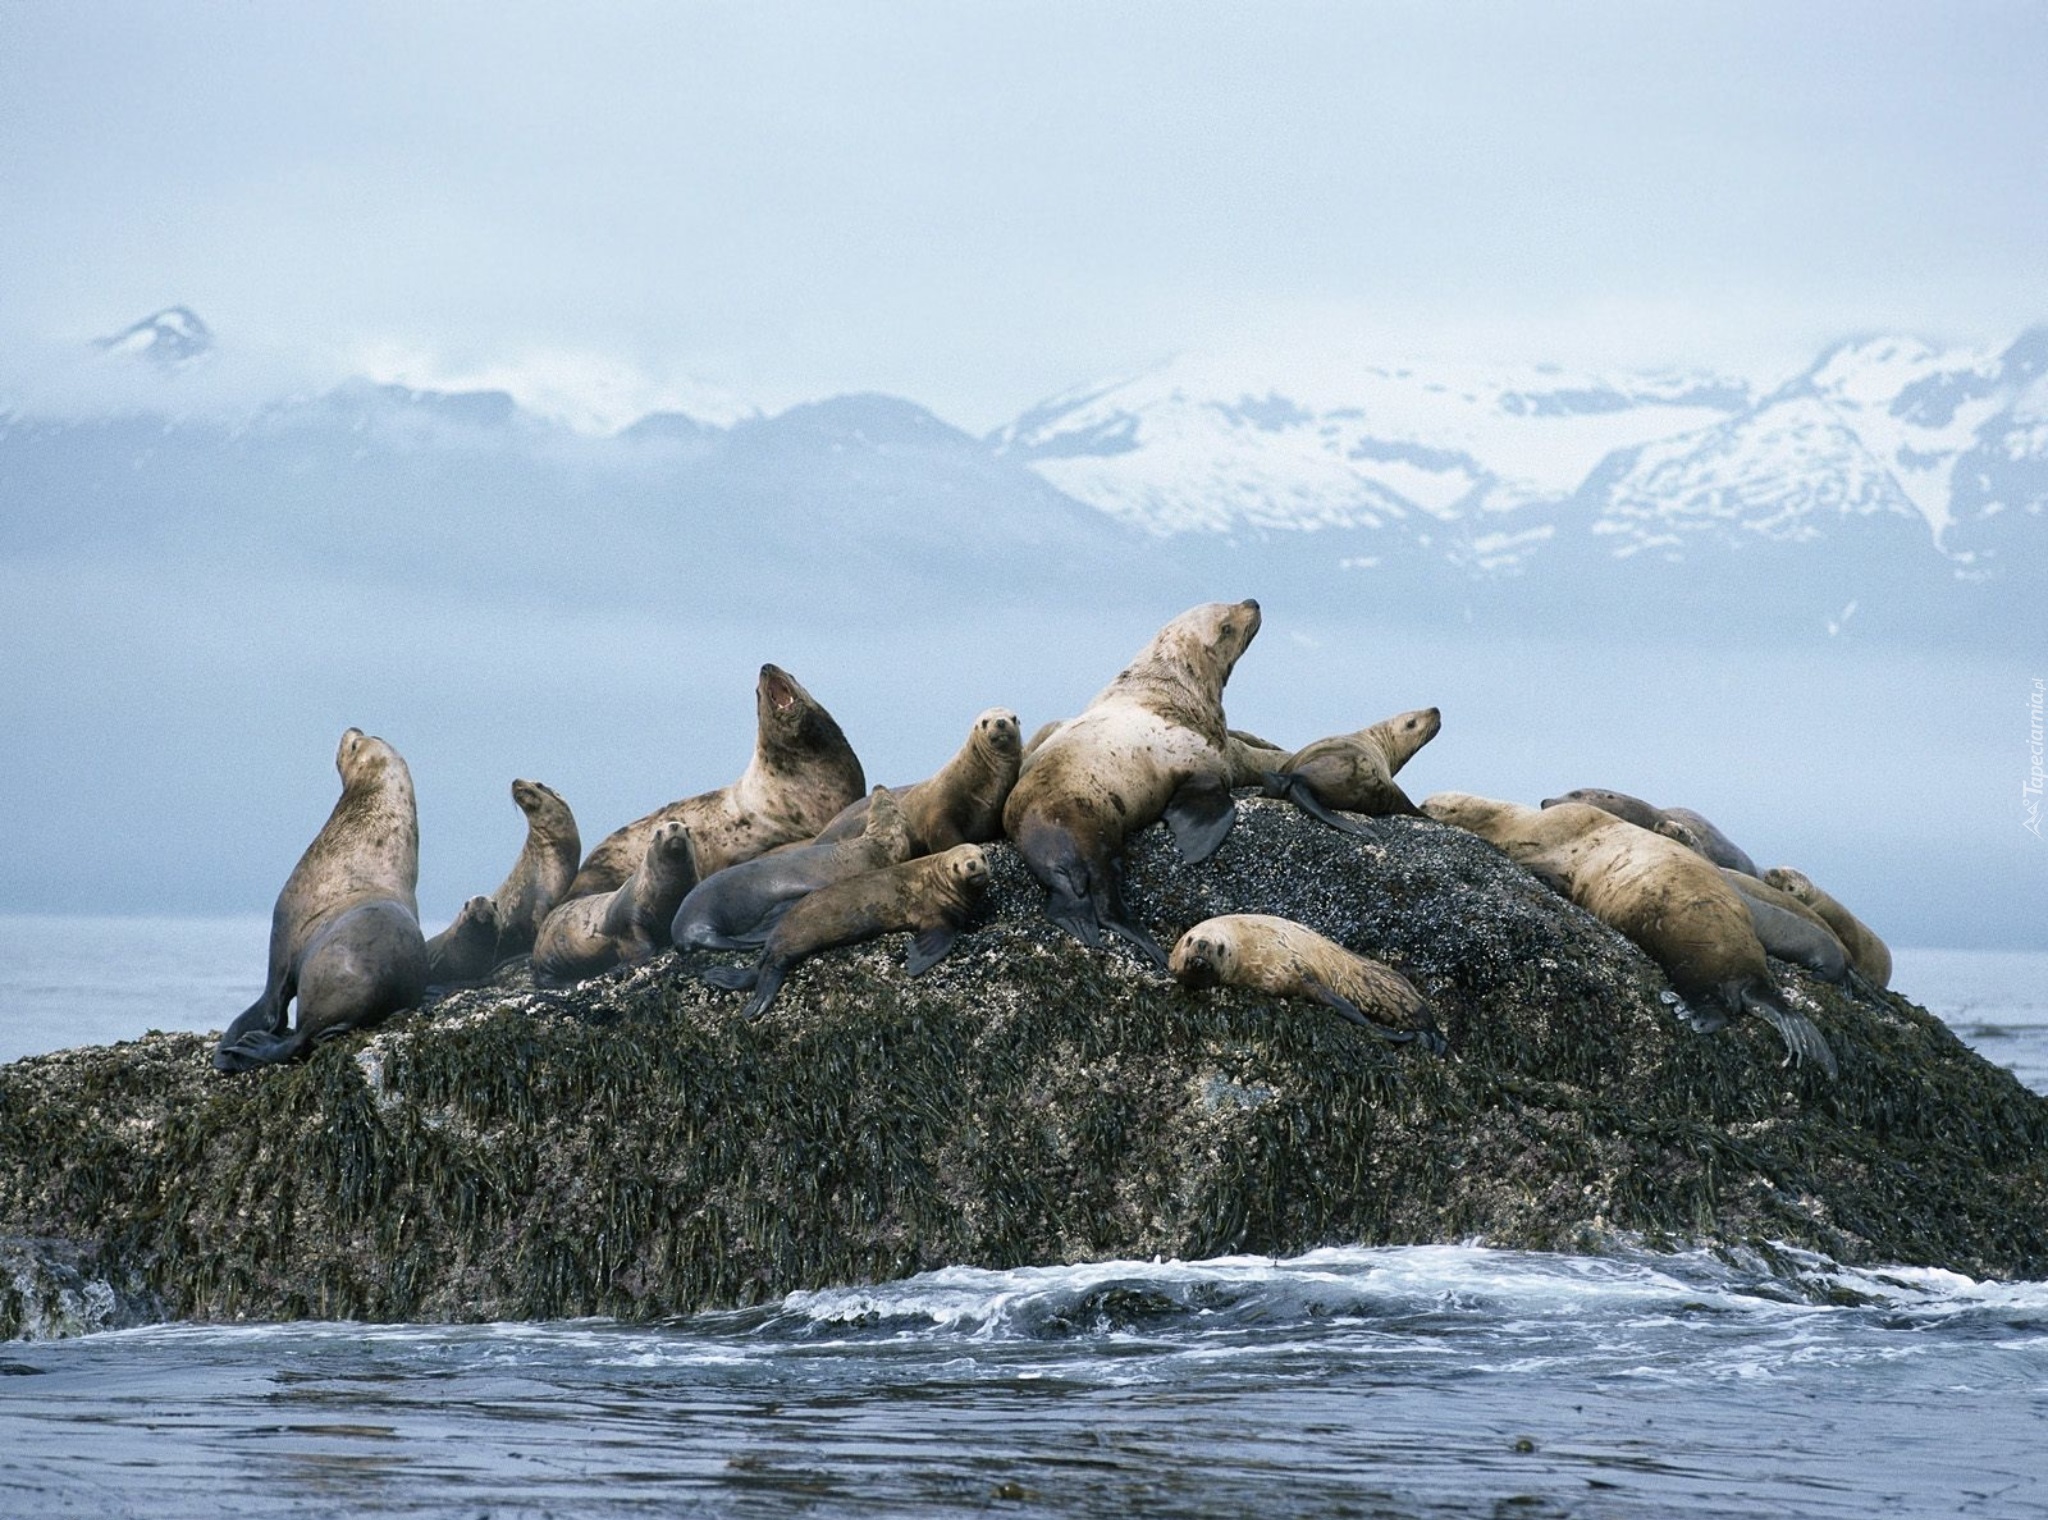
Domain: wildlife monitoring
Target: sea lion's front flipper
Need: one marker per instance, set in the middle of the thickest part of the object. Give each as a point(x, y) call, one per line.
point(1302, 795)
point(731, 978)
point(930, 947)
point(1137, 939)
point(1201, 814)
point(1803, 1042)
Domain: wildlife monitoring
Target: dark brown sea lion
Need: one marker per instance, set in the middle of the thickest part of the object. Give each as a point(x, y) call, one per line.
point(1868, 953)
point(463, 954)
point(1355, 772)
point(1152, 744)
point(735, 909)
point(345, 934)
point(1277, 955)
point(1674, 905)
point(1691, 829)
point(588, 935)
point(931, 897)
point(963, 803)
point(803, 772)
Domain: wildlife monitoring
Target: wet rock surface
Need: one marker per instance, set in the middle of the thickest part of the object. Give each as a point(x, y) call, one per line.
point(632, 1147)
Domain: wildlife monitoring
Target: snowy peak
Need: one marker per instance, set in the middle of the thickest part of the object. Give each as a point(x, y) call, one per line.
point(171, 339)
point(1662, 463)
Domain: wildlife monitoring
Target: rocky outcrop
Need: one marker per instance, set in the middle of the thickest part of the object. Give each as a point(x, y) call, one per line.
point(634, 1148)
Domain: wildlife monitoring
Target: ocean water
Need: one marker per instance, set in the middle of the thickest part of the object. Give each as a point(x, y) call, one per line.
point(1419, 1381)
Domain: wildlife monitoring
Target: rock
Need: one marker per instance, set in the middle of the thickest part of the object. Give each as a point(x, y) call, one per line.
point(633, 1148)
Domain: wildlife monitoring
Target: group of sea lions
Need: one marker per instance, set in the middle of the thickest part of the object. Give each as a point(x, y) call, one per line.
point(797, 856)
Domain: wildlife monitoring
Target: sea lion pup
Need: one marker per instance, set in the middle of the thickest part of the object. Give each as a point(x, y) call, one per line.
point(963, 803)
point(1674, 906)
point(1790, 930)
point(345, 934)
point(931, 896)
point(803, 772)
point(463, 954)
point(588, 935)
point(1277, 955)
point(1152, 744)
point(1869, 954)
point(1356, 771)
point(1692, 829)
point(735, 909)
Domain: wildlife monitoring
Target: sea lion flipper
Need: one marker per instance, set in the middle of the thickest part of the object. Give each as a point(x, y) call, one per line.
point(1803, 1042)
point(930, 947)
point(1201, 814)
point(765, 989)
point(731, 978)
point(1297, 791)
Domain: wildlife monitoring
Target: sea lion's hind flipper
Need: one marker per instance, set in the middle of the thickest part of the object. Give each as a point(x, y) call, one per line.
point(1303, 796)
point(1201, 813)
point(1330, 998)
point(257, 1048)
point(930, 947)
point(1803, 1042)
point(731, 978)
point(770, 983)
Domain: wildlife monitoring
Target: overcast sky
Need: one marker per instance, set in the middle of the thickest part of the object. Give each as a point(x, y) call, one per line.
point(977, 205)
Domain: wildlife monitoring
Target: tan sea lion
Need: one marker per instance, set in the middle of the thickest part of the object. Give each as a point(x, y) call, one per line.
point(345, 935)
point(736, 908)
point(1868, 953)
point(1355, 772)
point(540, 877)
point(802, 773)
point(931, 896)
point(1691, 829)
point(588, 935)
point(463, 954)
point(1675, 906)
point(1152, 744)
point(1277, 955)
point(963, 803)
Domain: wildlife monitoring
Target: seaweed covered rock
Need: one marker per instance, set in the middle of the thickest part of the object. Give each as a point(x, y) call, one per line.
point(633, 1147)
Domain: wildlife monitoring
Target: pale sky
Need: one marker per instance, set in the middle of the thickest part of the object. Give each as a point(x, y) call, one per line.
point(978, 205)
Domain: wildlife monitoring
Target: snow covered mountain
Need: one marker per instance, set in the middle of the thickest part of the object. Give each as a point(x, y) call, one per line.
point(1893, 487)
point(1508, 464)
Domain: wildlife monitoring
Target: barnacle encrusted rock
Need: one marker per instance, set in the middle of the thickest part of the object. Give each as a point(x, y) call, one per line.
point(632, 1147)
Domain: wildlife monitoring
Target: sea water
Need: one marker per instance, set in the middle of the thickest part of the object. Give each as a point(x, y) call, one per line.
point(1416, 1381)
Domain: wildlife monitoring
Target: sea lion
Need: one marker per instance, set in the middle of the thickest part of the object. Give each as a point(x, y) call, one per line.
point(1151, 744)
point(802, 773)
point(1869, 954)
point(1673, 905)
point(1790, 930)
point(1277, 955)
point(540, 877)
point(1355, 772)
point(931, 896)
point(963, 803)
point(1694, 830)
point(345, 935)
point(463, 954)
point(736, 908)
point(588, 935)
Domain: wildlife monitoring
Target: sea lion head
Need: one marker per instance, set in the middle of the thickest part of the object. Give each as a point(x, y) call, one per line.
point(998, 732)
point(533, 798)
point(1462, 810)
point(1620, 804)
point(1201, 959)
point(363, 758)
point(791, 723)
point(966, 866)
point(1407, 732)
point(1202, 646)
